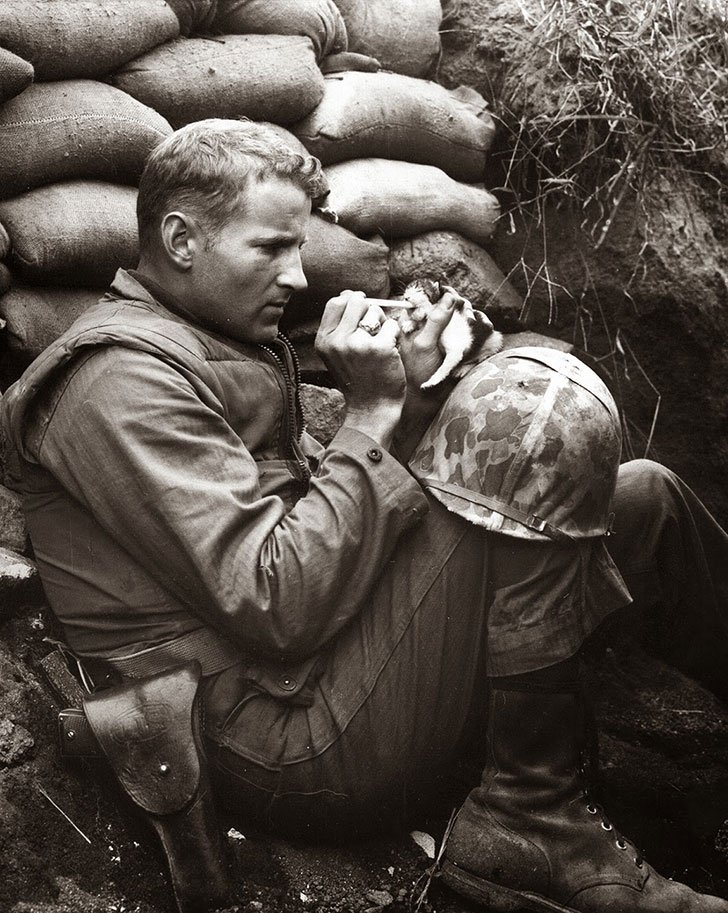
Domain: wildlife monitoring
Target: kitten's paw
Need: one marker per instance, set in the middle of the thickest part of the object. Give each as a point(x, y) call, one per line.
point(461, 299)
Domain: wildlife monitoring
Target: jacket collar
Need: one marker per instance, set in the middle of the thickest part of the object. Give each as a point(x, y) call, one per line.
point(132, 286)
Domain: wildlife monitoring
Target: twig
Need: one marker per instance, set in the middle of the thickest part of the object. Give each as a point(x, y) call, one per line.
point(434, 869)
point(59, 809)
point(624, 175)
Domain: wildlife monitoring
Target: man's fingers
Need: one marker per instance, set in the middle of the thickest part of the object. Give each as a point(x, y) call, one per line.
point(335, 310)
point(331, 316)
point(372, 319)
point(388, 333)
point(355, 309)
point(437, 320)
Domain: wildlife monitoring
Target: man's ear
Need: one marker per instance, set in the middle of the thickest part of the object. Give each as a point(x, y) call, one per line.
point(180, 238)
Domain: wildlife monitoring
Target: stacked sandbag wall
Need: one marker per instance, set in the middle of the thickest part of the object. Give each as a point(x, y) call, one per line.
point(87, 89)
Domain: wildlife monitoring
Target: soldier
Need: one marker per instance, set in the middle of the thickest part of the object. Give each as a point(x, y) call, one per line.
point(346, 624)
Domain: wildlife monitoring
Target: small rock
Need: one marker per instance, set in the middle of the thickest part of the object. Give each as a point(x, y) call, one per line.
point(381, 898)
point(462, 264)
point(19, 582)
point(14, 567)
point(15, 743)
point(323, 410)
point(425, 842)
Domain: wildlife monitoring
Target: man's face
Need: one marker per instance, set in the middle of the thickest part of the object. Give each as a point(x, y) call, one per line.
point(245, 277)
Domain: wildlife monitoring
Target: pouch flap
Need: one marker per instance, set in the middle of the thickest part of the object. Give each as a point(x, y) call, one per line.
point(146, 730)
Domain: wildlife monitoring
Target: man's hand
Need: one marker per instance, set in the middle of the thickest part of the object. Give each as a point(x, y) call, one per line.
point(422, 356)
point(367, 368)
point(420, 351)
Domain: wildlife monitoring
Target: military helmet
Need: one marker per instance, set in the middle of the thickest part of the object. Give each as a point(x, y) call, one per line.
point(528, 444)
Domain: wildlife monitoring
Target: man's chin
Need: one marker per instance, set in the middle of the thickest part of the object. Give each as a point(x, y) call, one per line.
point(258, 335)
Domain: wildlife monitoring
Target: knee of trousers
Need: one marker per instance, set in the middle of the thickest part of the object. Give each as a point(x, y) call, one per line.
point(647, 493)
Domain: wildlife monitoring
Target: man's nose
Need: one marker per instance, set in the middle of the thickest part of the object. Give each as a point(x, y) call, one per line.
point(292, 275)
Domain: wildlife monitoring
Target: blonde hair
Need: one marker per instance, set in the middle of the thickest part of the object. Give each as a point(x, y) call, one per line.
point(205, 169)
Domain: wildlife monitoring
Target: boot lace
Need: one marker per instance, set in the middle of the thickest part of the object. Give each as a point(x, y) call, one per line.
point(593, 808)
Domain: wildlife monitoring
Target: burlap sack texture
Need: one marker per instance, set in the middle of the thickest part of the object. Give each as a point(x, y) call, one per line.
point(79, 231)
point(37, 316)
point(319, 20)
point(194, 15)
point(333, 259)
point(349, 60)
point(400, 200)
point(74, 232)
point(447, 256)
point(403, 35)
point(264, 77)
point(64, 39)
point(74, 128)
point(16, 74)
point(4, 242)
point(398, 117)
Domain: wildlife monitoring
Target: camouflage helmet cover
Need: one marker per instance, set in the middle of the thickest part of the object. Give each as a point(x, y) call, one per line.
point(528, 444)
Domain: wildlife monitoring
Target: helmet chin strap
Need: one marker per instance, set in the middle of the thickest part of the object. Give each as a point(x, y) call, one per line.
point(531, 521)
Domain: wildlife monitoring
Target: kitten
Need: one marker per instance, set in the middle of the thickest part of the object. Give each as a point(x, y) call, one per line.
point(468, 337)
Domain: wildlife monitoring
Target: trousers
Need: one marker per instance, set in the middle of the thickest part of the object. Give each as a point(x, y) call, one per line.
point(401, 688)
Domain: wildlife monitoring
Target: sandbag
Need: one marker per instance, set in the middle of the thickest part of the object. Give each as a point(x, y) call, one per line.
point(194, 14)
point(4, 242)
point(265, 77)
point(319, 20)
point(288, 139)
point(402, 34)
point(334, 259)
point(36, 317)
point(75, 232)
point(449, 257)
point(399, 200)
point(348, 60)
point(16, 74)
point(365, 115)
point(75, 128)
point(68, 38)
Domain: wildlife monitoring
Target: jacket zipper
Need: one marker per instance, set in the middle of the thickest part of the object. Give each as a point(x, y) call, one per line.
point(294, 411)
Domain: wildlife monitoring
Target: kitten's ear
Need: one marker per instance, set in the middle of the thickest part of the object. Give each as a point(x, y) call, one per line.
point(431, 288)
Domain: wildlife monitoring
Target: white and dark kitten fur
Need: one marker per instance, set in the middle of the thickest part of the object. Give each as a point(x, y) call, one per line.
point(468, 337)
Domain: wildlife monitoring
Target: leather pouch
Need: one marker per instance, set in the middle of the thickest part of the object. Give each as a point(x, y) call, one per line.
point(148, 729)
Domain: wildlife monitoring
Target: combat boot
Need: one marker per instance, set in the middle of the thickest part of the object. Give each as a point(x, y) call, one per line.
point(530, 838)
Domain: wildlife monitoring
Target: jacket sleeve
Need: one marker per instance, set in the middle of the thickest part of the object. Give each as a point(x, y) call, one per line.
point(159, 467)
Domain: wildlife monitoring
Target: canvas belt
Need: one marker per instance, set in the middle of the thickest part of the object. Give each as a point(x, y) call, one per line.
point(205, 645)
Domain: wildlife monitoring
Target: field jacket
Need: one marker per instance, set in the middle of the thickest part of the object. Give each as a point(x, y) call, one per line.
point(168, 485)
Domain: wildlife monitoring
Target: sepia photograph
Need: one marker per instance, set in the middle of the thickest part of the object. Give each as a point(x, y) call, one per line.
point(363, 456)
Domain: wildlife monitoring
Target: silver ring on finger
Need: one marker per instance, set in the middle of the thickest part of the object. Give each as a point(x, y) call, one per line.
point(371, 328)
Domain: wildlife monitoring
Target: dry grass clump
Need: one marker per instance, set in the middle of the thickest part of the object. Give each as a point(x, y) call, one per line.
point(635, 86)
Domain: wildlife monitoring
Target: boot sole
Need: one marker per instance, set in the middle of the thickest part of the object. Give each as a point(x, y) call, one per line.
point(495, 897)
